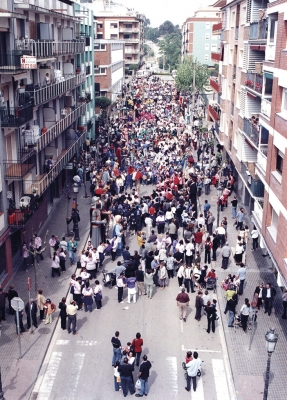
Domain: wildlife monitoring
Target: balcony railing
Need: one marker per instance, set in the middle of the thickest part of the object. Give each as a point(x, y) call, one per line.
point(14, 170)
point(130, 40)
point(222, 35)
point(216, 28)
point(214, 84)
point(266, 107)
point(13, 117)
point(9, 62)
point(214, 113)
point(258, 30)
point(54, 131)
point(215, 56)
point(255, 185)
point(46, 92)
point(133, 30)
point(254, 81)
point(251, 130)
point(51, 48)
point(44, 182)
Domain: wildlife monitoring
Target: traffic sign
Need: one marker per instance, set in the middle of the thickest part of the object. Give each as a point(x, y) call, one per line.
point(17, 304)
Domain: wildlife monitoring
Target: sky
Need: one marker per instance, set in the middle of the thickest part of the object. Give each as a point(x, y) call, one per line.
point(159, 11)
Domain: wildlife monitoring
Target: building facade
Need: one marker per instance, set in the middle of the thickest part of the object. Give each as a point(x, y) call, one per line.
point(197, 37)
point(46, 75)
point(251, 113)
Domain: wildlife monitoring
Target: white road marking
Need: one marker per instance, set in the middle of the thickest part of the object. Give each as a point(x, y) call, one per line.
point(200, 350)
point(50, 376)
point(181, 326)
point(172, 379)
point(74, 376)
point(220, 379)
point(78, 342)
point(62, 342)
point(198, 394)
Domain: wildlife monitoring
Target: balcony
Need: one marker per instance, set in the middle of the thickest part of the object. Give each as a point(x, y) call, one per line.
point(50, 48)
point(15, 170)
point(14, 117)
point(10, 62)
point(214, 111)
point(266, 107)
point(215, 56)
point(54, 131)
point(252, 181)
point(214, 84)
point(46, 93)
point(222, 35)
point(251, 129)
point(133, 30)
point(258, 30)
point(254, 81)
point(261, 162)
point(44, 181)
point(130, 40)
point(216, 28)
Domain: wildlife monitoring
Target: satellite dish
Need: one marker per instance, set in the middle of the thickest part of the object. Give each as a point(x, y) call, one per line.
point(9, 195)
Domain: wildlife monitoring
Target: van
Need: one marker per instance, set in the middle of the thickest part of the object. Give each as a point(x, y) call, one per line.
point(142, 73)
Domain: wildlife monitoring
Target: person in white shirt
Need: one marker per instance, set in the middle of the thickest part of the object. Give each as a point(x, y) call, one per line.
point(189, 252)
point(180, 275)
point(162, 275)
point(96, 258)
point(148, 222)
point(55, 265)
point(192, 368)
point(98, 289)
point(91, 267)
point(63, 244)
point(52, 243)
point(254, 236)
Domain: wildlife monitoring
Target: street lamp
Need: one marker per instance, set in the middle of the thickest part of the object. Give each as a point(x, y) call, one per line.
point(271, 339)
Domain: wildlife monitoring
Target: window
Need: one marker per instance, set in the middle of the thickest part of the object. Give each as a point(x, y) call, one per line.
point(99, 47)
point(232, 19)
point(128, 26)
point(206, 57)
point(99, 26)
point(207, 36)
point(240, 61)
point(99, 36)
point(207, 25)
point(273, 24)
point(113, 25)
point(284, 101)
point(114, 36)
point(206, 46)
point(214, 48)
point(279, 161)
point(243, 16)
point(100, 71)
point(272, 229)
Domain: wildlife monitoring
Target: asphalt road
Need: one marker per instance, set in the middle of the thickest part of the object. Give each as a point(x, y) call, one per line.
point(79, 367)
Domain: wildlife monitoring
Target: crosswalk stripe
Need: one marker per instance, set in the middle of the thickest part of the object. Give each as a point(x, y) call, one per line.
point(220, 379)
point(61, 342)
point(74, 376)
point(172, 374)
point(50, 376)
point(198, 394)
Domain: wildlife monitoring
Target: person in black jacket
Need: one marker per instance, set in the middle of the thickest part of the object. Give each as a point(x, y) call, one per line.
point(126, 371)
point(268, 294)
point(34, 309)
point(215, 245)
point(231, 305)
point(211, 317)
point(63, 313)
point(11, 294)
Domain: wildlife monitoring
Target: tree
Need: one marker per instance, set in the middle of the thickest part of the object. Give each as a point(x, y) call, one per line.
point(152, 34)
point(170, 48)
point(102, 102)
point(184, 78)
point(133, 67)
point(147, 22)
point(166, 28)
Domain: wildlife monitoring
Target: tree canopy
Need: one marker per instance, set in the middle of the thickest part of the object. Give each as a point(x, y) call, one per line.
point(102, 102)
point(167, 28)
point(170, 49)
point(152, 34)
point(184, 78)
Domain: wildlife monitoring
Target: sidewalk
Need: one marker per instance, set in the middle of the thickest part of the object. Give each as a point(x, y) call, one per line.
point(249, 366)
point(19, 375)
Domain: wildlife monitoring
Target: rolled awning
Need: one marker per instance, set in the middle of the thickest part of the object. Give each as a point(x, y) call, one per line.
point(268, 75)
point(18, 77)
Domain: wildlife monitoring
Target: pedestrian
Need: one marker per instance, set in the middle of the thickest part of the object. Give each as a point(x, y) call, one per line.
point(143, 376)
point(140, 281)
point(198, 305)
point(137, 345)
point(62, 257)
point(76, 287)
point(170, 265)
point(188, 279)
point(55, 265)
point(50, 309)
point(284, 301)
point(149, 283)
point(211, 317)
point(225, 254)
point(31, 306)
point(241, 275)
point(254, 236)
point(182, 300)
point(10, 295)
point(52, 243)
point(38, 247)
point(87, 293)
point(215, 245)
point(231, 305)
point(162, 275)
point(72, 249)
point(234, 203)
point(120, 285)
point(268, 294)
point(98, 295)
point(41, 301)
point(72, 317)
point(2, 305)
point(258, 295)
point(240, 218)
point(132, 291)
point(117, 377)
point(63, 313)
point(244, 312)
point(126, 371)
point(117, 346)
point(25, 255)
point(180, 275)
point(207, 250)
point(192, 369)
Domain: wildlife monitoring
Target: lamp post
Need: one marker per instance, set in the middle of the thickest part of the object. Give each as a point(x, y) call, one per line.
point(75, 218)
point(66, 192)
point(34, 253)
point(271, 339)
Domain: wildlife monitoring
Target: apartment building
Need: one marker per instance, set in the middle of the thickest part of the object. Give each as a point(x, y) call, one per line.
point(251, 112)
point(46, 75)
point(116, 22)
point(109, 56)
point(197, 37)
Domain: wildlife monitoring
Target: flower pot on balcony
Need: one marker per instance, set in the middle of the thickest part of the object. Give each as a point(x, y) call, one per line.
point(81, 128)
point(78, 70)
point(44, 130)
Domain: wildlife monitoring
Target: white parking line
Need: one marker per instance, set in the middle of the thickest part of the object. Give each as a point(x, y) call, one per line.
point(172, 374)
point(50, 376)
point(200, 350)
point(74, 376)
point(220, 379)
point(78, 342)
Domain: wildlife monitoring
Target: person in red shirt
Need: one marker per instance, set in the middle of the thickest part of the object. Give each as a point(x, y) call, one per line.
point(152, 210)
point(137, 345)
point(211, 274)
point(130, 169)
point(198, 239)
point(176, 180)
point(138, 177)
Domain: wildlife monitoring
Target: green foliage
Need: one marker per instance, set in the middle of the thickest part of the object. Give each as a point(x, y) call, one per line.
point(133, 67)
point(184, 78)
point(152, 34)
point(147, 22)
point(102, 102)
point(148, 51)
point(170, 48)
point(167, 28)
